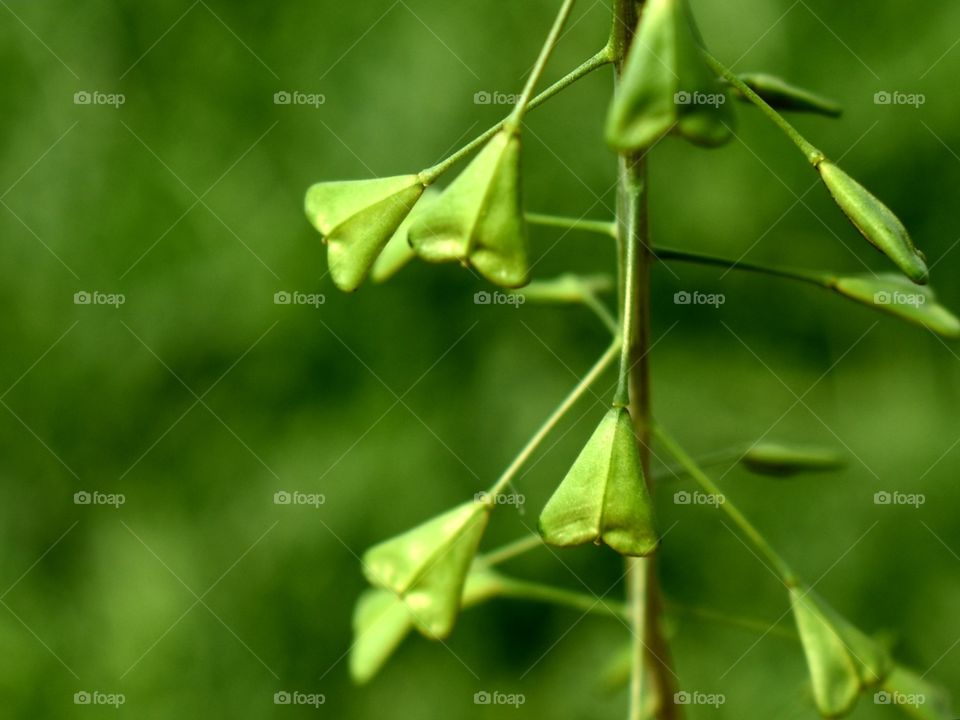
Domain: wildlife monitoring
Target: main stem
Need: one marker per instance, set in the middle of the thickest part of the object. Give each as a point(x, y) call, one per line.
point(652, 678)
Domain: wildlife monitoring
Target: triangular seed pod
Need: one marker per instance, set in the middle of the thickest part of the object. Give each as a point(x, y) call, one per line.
point(895, 295)
point(667, 85)
point(357, 218)
point(427, 565)
point(398, 252)
point(787, 460)
point(875, 221)
point(478, 219)
point(381, 621)
point(781, 95)
point(604, 497)
point(842, 660)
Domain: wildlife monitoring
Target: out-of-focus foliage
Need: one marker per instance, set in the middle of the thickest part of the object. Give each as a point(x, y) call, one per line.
point(225, 378)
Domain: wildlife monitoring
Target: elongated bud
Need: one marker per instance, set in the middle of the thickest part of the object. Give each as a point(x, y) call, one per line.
point(427, 566)
point(478, 220)
point(781, 95)
point(787, 460)
point(875, 221)
point(357, 219)
point(604, 497)
point(897, 296)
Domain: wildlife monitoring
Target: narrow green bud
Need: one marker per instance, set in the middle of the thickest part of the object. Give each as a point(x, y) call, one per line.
point(787, 460)
point(875, 221)
point(781, 95)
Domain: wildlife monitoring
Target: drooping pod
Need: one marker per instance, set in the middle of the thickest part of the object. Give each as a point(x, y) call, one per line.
point(357, 218)
point(397, 252)
point(604, 497)
point(667, 86)
point(478, 220)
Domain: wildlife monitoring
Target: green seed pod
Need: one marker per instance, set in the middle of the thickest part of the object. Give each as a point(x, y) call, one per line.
point(875, 221)
point(781, 95)
point(604, 497)
point(567, 288)
point(667, 86)
point(788, 460)
point(381, 621)
point(933, 703)
point(357, 219)
point(427, 566)
point(478, 220)
point(897, 296)
point(398, 252)
point(841, 659)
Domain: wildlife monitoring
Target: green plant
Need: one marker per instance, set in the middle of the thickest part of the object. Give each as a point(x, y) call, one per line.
point(667, 84)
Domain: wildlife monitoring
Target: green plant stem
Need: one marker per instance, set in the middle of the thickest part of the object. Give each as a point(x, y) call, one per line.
point(814, 156)
point(511, 550)
point(760, 627)
point(808, 276)
point(634, 285)
point(548, 47)
point(523, 589)
point(600, 310)
point(739, 519)
point(430, 175)
point(651, 676)
point(599, 227)
point(595, 372)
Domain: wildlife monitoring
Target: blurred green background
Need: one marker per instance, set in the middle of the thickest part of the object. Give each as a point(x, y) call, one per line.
point(199, 397)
